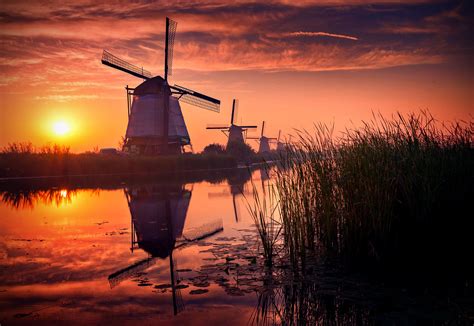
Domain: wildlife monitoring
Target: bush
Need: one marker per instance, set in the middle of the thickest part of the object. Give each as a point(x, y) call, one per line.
point(241, 151)
point(214, 149)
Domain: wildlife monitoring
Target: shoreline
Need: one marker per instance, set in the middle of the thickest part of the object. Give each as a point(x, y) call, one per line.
point(32, 166)
point(116, 180)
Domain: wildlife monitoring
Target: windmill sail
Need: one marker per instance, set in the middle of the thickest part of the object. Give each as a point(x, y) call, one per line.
point(235, 109)
point(171, 26)
point(203, 231)
point(110, 60)
point(129, 271)
point(216, 126)
point(197, 99)
point(236, 209)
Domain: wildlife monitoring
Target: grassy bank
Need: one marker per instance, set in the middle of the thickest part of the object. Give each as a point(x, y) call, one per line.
point(32, 164)
point(393, 197)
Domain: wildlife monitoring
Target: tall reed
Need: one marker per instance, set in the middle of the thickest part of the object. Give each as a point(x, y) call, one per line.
point(263, 209)
point(392, 194)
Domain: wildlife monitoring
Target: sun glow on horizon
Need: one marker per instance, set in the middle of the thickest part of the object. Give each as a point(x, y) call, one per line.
point(61, 128)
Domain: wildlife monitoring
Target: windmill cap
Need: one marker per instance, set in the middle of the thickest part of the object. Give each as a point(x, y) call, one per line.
point(150, 86)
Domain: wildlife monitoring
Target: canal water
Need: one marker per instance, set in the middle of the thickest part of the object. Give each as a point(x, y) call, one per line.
point(129, 254)
point(174, 253)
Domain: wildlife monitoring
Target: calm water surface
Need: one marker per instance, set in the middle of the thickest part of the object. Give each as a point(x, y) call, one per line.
point(129, 254)
point(175, 254)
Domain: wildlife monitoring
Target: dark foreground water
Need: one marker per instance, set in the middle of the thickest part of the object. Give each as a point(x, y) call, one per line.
point(177, 254)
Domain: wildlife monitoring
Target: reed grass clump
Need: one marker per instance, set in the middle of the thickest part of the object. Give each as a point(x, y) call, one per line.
point(394, 194)
point(263, 209)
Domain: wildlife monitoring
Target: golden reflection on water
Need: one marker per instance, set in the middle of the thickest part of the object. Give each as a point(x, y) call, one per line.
point(29, 199)
point(63, 193)
point(130, 255)
point(58, 248)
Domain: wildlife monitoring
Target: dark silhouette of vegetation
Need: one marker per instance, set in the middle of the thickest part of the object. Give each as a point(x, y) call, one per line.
point(25, 160)
point(214, 149)
point(28, 148)
point(242, 151)
point(393, 197)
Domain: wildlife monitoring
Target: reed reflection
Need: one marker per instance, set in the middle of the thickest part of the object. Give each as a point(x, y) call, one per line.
point(286, 300)
point(158, 215)
point(30, 198)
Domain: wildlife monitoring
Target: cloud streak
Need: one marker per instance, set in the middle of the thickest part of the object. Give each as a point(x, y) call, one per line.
point(347, 37)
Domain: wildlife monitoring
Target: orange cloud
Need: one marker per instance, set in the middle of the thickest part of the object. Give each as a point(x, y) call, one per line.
point(50, 54)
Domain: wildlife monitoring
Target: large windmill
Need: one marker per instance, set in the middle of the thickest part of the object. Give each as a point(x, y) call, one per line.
point(234, 132)
point(264, 141)
point(155, 121)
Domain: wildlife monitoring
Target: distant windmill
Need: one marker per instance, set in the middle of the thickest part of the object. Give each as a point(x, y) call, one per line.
point(264, 142)
point(283, 145)
point(233, 132)
point(155, 121)
point(280, 145)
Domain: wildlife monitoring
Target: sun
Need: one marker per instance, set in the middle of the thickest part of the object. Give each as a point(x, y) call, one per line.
point(61, 128)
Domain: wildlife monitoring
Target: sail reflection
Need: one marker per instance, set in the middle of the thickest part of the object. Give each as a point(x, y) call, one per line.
point(158, 215)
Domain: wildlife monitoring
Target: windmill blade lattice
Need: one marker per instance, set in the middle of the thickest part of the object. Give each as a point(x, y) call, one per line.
point(111, 60)
point(203, 231)
point(235, 111)
point(127, 272)
point(189, 96)
point(172, 26)
point(200, 102)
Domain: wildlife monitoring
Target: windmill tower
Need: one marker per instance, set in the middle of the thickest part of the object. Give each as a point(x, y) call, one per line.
point(280, 145)
point(233, 132)
point(155, 121)
point(264, 142)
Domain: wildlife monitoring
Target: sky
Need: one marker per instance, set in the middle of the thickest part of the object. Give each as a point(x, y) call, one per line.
point(290, 63)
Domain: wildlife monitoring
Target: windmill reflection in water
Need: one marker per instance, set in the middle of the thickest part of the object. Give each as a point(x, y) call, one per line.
point(236, 184)
point(158, 215)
